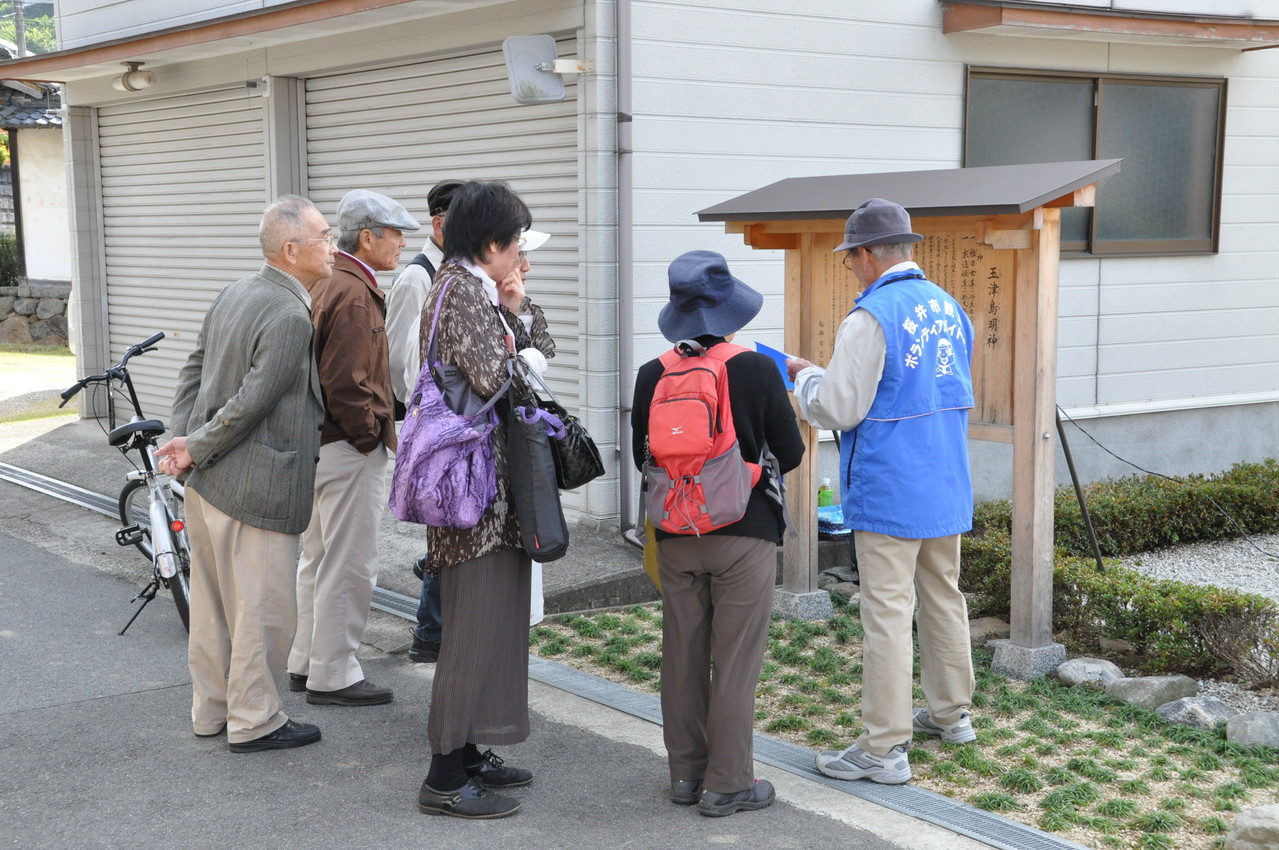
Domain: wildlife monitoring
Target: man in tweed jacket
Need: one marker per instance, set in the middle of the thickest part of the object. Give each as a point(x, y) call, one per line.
point(247, 413)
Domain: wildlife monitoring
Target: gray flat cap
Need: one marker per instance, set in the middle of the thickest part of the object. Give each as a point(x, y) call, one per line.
point(361, 208)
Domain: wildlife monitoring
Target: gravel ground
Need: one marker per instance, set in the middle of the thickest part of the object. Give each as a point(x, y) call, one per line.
point(1250, 565)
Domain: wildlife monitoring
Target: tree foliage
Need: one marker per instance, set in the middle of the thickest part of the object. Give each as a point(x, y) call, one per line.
point(38, 26)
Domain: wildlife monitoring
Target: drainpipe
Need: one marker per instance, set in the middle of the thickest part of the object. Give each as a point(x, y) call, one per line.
point(625, 276)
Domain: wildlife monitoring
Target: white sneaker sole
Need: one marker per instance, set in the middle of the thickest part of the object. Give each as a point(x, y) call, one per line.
point(882, 776)
point(964, 737)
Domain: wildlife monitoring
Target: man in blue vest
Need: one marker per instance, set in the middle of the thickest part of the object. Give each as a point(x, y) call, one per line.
point(899, 387)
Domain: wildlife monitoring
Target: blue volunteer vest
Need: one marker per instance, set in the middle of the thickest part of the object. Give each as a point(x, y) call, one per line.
point(905, 466)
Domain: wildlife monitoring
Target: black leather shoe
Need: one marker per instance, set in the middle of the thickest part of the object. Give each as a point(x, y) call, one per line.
point(419, 568)
point(291, 734)
point(686, 792)
point(494, 774)
point(362, 692)
point(424, 651)
point(758, 796)
point(472, 801)
point(297, 682)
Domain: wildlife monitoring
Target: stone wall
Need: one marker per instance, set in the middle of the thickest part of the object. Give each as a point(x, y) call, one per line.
point(34, 312)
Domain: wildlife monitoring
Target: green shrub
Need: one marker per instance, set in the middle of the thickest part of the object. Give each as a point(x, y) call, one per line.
point(8, 259)
point(1172, 626)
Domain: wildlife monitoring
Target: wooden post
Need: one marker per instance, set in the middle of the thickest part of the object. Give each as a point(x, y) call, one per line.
point(799, 553)
point(1034, 446)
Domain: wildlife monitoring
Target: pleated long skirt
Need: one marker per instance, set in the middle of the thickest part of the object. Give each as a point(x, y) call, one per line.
point(480, 693)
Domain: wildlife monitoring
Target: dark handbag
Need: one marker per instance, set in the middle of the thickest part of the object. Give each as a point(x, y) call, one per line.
point(577, 458)
point(534, 489)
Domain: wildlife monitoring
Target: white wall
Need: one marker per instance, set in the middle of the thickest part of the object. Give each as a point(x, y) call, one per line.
point(731, 95)
point(45, 224)
point(83, 22)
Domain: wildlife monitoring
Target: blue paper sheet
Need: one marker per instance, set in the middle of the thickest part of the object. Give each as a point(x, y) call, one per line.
point(780, 357)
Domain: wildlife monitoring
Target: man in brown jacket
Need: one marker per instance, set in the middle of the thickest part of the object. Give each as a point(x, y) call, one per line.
point(338, 569)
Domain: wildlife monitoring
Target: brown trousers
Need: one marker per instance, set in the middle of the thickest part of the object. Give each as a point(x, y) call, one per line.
point(717, 597)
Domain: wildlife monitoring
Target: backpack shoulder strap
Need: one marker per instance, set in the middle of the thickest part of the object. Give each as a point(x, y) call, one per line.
point(421, 260)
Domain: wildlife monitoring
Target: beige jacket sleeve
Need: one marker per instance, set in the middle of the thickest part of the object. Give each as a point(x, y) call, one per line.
point(838, 397)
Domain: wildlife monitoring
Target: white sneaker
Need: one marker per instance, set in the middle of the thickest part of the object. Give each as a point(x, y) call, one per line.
point(856, 763)
point(959, 732)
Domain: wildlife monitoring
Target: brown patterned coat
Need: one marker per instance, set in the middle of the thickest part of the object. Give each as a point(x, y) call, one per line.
point(470, 336)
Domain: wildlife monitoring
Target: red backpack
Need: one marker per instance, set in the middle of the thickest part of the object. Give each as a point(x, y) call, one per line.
point(697, 480)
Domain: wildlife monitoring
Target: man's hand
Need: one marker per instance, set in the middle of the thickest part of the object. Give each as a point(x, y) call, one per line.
point(174, 458)
point(511, 291)
point(795, 365)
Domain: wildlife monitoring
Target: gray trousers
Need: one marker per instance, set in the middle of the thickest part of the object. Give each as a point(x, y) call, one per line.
point(717, 597)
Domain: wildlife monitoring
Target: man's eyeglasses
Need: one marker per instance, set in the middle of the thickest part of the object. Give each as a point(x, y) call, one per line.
point(848, 259)
point(330, 238)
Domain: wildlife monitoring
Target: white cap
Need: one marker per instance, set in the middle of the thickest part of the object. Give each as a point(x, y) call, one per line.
point(531, 240)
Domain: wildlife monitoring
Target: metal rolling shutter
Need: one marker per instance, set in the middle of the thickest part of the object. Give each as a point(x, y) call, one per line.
point(183, 188)
point(399, 130)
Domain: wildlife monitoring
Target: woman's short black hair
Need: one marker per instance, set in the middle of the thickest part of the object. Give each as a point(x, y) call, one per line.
point(480, 214)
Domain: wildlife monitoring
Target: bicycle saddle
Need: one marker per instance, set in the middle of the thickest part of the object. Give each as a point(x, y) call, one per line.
point(147, 427)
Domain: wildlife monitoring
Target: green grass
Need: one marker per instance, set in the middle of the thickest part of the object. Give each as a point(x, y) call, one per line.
point(1068, 760)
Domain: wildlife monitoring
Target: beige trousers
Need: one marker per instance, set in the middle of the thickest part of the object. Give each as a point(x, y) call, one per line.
point(338, 569)
point(717, 598)
point(894, 571)
point(242, 618)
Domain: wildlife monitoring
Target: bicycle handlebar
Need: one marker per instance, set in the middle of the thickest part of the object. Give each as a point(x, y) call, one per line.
point(143, 347)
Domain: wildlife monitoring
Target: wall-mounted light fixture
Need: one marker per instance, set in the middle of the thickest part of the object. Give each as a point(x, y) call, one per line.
point(134, 79)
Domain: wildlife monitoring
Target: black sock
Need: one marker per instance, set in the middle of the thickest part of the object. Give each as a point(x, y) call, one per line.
point(446, 773)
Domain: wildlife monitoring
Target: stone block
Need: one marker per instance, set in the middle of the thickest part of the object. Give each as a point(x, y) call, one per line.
point(814, 605)
point(847, 591)
point(6, 304)
point(1255, 729)
point(1090, 672)
point(982, 630)
point(1198, 712)
point(15, 329)
point(25, 306)
point(1025, 662)
point(1113, 645)
point(1255, 829)
point(1152, 691)
point(47, 308)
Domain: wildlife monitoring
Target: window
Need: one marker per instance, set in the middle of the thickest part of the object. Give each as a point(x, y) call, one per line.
point(1168, 130)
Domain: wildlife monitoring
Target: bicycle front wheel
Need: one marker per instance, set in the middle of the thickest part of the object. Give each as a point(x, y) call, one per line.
point(135, 507)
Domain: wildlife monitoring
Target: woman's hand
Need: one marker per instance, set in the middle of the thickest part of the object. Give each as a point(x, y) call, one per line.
point(510, 291)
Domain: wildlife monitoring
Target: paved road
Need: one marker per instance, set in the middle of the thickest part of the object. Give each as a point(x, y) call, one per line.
point(96, 748)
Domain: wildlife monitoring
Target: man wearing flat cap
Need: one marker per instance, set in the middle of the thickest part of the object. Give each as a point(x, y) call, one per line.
point(899, 387)
point(338, 568)
point(717, 587)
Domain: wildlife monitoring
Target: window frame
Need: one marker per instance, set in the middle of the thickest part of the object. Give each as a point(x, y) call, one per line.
point(1091, 247)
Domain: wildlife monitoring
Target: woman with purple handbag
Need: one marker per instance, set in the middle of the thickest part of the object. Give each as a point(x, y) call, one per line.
point(480, 691)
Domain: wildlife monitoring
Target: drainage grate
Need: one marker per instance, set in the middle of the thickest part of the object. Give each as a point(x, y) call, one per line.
point(906, 799)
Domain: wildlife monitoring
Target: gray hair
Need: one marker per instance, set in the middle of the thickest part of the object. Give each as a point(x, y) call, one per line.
point(349, 239)
point(897, 252)
point(282, 222)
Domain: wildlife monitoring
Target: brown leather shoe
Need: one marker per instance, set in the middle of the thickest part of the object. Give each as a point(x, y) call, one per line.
point(362, 692)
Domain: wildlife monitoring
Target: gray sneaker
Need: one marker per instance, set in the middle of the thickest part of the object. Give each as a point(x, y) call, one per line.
point(959, 732)
point(856, 763)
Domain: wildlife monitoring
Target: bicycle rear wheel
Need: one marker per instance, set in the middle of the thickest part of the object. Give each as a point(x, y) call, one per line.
point(134, 510)
point(180, 583)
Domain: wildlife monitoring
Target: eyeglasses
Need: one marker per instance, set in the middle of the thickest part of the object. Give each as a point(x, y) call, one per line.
point(848, 259)
point(329, 238)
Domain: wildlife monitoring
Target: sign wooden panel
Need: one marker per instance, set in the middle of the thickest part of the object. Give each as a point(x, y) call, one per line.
point(983, 281)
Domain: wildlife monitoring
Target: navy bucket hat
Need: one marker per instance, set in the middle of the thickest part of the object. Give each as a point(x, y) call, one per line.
point(705, 299)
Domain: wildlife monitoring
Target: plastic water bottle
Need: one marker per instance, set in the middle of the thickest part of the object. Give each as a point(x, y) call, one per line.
point(825, 495)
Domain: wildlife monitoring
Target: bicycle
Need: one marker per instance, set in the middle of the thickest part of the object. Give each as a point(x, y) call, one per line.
point(151, 502)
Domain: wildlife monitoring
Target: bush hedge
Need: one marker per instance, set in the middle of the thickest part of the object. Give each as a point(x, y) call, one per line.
point(1173, 627)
